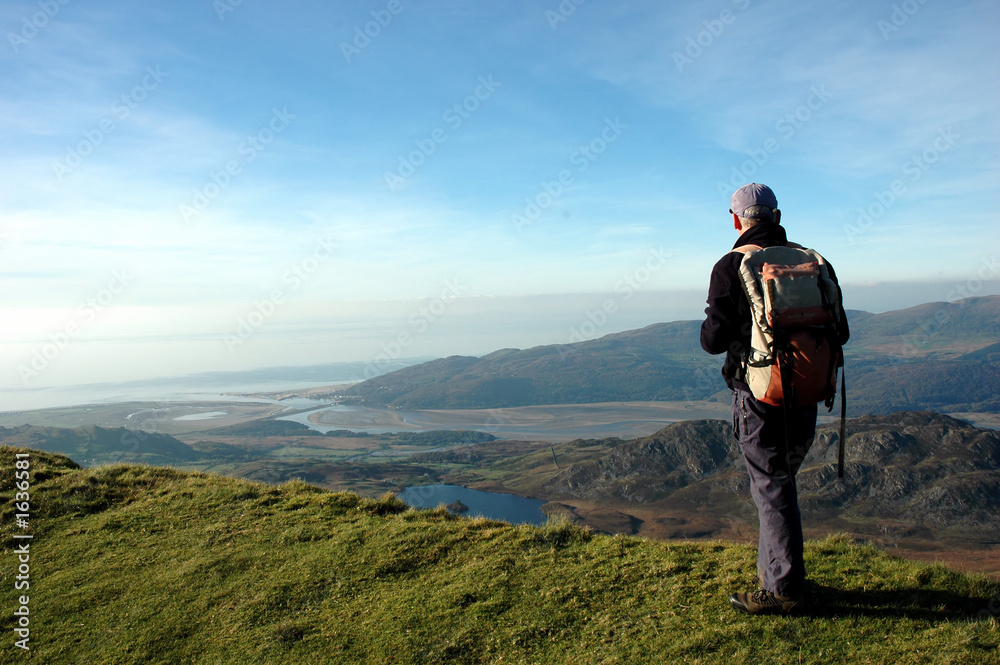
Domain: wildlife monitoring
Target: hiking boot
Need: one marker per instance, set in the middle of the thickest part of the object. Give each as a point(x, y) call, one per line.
point(765, 602)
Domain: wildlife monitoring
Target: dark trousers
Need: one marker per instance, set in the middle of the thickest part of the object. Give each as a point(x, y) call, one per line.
point(774, 442)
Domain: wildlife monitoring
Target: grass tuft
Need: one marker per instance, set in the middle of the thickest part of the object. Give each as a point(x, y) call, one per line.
point(558, 531)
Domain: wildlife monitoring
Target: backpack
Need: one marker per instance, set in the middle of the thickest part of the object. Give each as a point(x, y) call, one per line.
point(795, 348)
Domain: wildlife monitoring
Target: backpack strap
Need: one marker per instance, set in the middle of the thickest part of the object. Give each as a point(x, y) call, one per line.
point(843, 424)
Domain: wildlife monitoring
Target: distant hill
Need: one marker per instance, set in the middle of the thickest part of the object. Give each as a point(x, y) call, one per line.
point(272, 427)
point(92, 445)
point(138, 564)
point(938, 356)
point(987, 354)
point(264, 427)
point(264, 449)
point(663, 362)
point(966, 324)
point(970, 383)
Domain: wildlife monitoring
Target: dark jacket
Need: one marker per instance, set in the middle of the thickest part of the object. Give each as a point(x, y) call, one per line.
point(727, 326)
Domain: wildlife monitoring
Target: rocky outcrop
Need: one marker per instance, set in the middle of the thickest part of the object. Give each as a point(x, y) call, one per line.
point(924, 468)
point(650, 468)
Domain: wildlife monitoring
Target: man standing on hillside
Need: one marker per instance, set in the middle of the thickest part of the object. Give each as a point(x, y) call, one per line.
point(773, 439)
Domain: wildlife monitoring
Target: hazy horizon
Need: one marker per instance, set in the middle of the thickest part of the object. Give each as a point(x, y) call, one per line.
point(471, 326)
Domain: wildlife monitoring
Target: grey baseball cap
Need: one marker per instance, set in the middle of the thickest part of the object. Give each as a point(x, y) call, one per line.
point(753, 194)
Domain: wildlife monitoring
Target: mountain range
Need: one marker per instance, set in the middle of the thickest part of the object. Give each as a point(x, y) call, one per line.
point(939, 356)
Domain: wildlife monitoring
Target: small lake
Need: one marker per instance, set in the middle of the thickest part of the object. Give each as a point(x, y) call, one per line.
point(492, 505)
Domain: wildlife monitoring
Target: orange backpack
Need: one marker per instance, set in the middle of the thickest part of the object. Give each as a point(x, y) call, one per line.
point(795, 307)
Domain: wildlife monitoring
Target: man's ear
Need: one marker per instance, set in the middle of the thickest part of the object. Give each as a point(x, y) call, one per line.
point(736, 222)
point(777, 216)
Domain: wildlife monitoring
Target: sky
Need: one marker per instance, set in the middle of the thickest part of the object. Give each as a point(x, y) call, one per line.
point(193, 186)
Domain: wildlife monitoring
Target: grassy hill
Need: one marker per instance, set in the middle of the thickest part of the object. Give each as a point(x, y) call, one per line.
point(136, 564)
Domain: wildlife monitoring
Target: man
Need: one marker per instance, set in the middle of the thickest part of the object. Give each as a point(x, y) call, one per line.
point(774, 440)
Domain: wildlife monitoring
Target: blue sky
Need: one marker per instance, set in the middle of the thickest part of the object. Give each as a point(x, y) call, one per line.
point(198, 185)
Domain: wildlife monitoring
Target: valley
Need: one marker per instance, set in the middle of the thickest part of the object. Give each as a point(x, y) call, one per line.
point(674, 477)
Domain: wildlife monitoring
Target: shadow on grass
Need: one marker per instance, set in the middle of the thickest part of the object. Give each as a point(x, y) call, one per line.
point(911, 603)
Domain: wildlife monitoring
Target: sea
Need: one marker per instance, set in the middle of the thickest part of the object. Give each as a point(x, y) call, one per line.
point(207, 387)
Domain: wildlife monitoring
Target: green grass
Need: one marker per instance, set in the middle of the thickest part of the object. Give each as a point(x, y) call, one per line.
point(134, 564)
